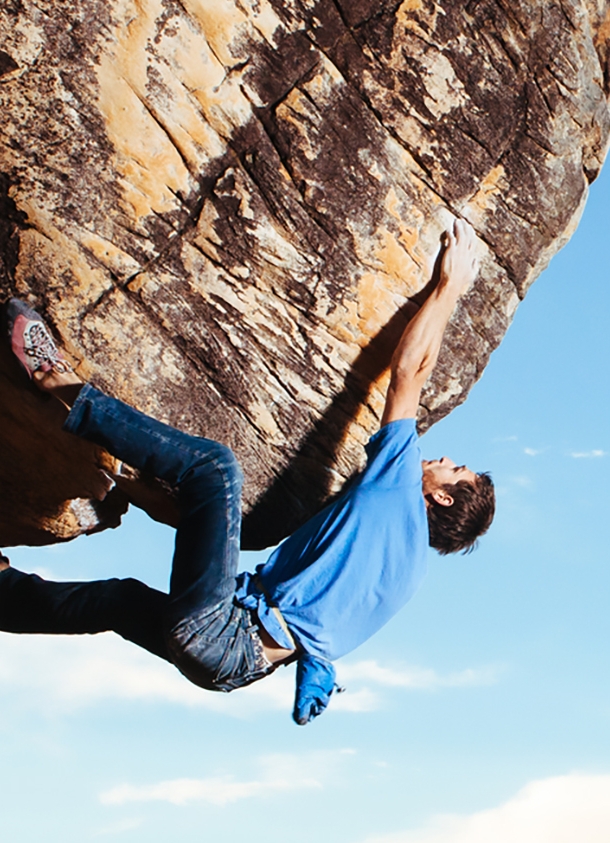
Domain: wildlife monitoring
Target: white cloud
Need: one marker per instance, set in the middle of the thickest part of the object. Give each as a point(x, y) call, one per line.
point(578, 455)
point(532, 452)
point(279, 773)
point(118, 828)
point(562, 809)
point(419, 678)
point(522, 480)
point(358, 698)
point(64, 673)
point(217, 791)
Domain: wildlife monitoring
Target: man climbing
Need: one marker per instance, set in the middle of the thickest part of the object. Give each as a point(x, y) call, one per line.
point(326, 589)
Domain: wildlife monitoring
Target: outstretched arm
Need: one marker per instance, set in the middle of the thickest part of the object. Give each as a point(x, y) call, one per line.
point(417, 352)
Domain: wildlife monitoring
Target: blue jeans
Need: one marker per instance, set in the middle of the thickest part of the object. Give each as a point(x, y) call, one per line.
point(211, 640)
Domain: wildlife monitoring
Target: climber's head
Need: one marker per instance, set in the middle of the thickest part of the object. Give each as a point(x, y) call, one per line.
point(460, 504)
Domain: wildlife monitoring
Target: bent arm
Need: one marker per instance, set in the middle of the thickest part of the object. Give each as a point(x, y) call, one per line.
point(417, 352)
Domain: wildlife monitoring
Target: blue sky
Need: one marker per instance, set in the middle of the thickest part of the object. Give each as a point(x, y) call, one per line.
point(481, 712)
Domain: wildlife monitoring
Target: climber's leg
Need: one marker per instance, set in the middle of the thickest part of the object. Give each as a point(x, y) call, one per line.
point(211, 640)
point(214, 642)
point(30, 604)
point(205, 474)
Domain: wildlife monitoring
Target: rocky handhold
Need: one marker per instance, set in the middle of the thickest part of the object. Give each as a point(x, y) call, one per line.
point(228, 211)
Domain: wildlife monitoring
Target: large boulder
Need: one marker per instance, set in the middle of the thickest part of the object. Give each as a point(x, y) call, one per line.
point(228, 210)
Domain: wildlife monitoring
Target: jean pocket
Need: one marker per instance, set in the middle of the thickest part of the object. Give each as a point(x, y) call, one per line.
point(243, 664)
point(232, 667)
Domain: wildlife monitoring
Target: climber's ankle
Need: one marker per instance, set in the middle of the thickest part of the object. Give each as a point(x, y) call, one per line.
point(63, 385)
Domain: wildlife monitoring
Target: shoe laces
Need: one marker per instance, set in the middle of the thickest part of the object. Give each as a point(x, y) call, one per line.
point(40, 346)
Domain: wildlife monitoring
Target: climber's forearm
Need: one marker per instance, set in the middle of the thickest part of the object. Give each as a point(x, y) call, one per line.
point(417, 353)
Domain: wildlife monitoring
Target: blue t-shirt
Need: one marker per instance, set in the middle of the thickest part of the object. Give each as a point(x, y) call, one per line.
point(350, 568)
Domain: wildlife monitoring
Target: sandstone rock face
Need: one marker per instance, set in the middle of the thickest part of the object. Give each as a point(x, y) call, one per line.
point(228, 210)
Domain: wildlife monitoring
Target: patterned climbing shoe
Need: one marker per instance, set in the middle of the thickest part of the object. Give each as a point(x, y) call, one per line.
point(30, 340)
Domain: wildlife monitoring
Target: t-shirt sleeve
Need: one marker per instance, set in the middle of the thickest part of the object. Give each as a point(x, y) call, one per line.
point(393, 455)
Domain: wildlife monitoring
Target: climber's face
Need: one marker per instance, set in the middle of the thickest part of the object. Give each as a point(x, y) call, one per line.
point(436, 474)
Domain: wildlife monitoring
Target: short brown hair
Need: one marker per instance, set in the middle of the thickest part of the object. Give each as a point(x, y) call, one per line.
point(457, 527)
